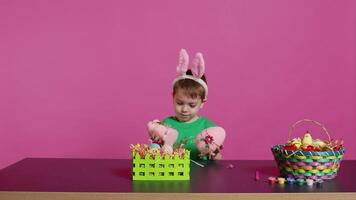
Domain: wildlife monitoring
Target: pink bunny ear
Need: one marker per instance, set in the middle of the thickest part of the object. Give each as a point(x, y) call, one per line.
point(198, 65)
point(183, 61)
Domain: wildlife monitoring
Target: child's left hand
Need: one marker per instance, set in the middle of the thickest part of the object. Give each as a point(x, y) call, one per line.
point(216, 155)
point(210, 142)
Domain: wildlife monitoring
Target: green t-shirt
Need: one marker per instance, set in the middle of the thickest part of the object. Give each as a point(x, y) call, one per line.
point(187, 132)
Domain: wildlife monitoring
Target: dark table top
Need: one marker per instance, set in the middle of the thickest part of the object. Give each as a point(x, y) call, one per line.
point(111, 175)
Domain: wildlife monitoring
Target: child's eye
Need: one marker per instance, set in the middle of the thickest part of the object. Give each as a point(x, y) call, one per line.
point(192, 105)
point(179, 103)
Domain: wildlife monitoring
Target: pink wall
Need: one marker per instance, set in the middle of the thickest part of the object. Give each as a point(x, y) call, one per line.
point(81, 78)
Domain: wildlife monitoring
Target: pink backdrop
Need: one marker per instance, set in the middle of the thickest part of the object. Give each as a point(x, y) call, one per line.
point(80, 78)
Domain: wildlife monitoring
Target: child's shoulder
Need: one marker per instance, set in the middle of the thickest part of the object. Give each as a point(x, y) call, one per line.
point(207, 122)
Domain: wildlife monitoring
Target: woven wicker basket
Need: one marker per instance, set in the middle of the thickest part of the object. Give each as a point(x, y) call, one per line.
point(308, 164)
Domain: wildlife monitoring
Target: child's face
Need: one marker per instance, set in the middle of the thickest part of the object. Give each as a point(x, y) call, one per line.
point(186, 108)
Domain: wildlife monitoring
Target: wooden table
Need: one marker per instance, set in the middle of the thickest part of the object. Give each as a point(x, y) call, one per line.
point(50, 178)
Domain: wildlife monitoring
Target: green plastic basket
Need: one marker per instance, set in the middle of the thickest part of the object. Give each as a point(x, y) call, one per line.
point(157, 168)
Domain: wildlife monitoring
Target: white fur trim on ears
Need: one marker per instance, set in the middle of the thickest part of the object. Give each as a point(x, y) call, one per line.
point(198, 80)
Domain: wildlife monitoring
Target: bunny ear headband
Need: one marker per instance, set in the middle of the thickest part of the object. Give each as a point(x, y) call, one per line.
point(197, 67)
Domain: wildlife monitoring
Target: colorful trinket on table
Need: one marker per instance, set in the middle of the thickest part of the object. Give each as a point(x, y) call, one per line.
point(290, 180)
point(272, 180)
point(257, 175)
point(281, 180)
point(309, 182)
point(300, 181)
point(230, 166)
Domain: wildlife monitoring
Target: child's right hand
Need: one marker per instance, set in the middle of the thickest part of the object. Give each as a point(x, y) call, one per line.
point(156, 139)
point(161, 134)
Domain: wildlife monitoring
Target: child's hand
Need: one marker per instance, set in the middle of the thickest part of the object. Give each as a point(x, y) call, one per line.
point(156, 139)
point(210, 141)
point(161, 134)
point(216, 155)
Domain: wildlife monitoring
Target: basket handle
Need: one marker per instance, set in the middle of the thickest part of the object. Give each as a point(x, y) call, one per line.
point(291, 129)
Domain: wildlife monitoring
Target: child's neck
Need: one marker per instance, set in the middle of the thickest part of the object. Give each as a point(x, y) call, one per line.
point(195, 118)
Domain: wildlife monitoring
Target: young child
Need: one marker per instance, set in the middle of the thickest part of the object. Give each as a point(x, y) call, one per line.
point(190, 92)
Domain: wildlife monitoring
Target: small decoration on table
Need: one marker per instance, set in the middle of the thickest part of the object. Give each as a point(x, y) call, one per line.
point(290, 181)
point(272, 180)
point(257, 175)
point(230, 166)
point(281, 180)
point(300, 181)
point(309, 182)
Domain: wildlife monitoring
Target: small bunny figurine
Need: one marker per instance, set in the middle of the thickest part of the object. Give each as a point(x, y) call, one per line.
point(210, 141)
point(162, 135)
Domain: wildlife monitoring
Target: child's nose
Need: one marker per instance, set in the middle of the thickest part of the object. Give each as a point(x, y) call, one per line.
point(185, 108)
